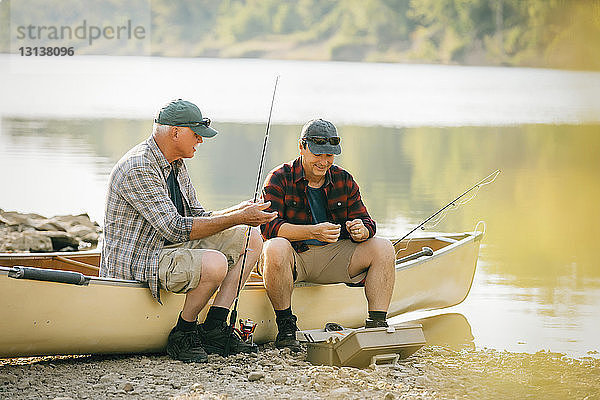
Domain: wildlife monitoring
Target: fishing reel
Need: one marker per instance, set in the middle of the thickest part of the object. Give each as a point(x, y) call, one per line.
point(246, 330)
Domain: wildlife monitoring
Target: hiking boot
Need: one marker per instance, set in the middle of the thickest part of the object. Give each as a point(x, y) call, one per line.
point(376, 323)
point(186, 346)
point(286, 337)
point(215, 340)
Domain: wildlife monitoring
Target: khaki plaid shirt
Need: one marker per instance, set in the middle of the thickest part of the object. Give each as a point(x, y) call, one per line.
point(140, 215)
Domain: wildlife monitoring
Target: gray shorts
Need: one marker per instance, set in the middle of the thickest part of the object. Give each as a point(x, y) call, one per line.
point(180, 264)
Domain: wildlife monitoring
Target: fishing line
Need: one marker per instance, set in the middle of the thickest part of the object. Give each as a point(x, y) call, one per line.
point(453, 205)
point(443, 215)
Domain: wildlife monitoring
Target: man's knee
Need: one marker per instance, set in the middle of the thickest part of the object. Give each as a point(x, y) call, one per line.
point(277, 252)
point(214, 266)
point(383, 247)
point(377, 250)
point(256, 241)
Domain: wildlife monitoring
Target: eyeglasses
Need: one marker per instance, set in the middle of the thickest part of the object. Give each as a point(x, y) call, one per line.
point(205, 122)
point(320, 140)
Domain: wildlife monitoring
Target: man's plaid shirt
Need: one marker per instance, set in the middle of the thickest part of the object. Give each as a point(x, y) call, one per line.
point(285, 188)
point(140, 215)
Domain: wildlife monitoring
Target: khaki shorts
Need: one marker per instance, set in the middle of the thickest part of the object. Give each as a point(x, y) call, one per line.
point(326, 264)
point(180, 264)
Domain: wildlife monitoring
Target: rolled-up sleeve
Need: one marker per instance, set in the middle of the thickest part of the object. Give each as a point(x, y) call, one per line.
point(144, 190)
point(273, 192)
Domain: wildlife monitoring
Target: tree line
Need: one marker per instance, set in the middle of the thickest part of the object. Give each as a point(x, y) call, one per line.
point(540, 33)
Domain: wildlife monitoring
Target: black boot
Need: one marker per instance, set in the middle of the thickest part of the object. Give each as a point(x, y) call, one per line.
point(185, 346)
point(214, 341)
point(286, 337)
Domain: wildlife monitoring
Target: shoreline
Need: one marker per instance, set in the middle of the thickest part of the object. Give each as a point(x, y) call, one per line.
point(432, 372)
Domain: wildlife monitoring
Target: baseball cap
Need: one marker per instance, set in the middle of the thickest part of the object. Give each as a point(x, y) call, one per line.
point(184, 113)
point(319, 130)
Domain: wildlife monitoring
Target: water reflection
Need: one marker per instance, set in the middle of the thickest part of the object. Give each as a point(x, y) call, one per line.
point(450, 330)
point(542, 220)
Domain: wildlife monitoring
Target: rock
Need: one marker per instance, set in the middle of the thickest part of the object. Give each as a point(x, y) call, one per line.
point(48, 225)
point(23, 384)
point(286, 351)
point(33, 232)
point(280, 379)
point(82, 231)
point(26, 241)
point(7, 379)
point(197, 387)
point(128, 387)
point(108, 378)
point(14, 218)
point(91, 237)
point(339, 393)
point(255, 376)
point(304, 379)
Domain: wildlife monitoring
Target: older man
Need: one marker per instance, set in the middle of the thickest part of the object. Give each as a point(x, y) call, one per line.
point(322, 233)
point(156, 231)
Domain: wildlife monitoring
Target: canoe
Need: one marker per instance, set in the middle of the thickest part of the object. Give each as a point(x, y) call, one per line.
point(105, 315)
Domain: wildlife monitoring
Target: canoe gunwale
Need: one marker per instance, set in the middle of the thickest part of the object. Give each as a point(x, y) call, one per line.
point(250, 285)
point(95, 279)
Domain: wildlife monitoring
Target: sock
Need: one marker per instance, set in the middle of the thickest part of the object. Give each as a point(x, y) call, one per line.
point(216, 316)
point(377, 315)
point(282, 314)
point(185, 326)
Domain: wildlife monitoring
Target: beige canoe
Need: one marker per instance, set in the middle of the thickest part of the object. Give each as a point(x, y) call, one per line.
point(115, 316)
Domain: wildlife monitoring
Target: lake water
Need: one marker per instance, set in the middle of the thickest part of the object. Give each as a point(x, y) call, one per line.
point(414, 137)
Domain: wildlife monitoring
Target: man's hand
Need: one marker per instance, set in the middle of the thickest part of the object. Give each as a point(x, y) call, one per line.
point(357, 230)
point(326, 232)
point(252, 213)
point(243, 204)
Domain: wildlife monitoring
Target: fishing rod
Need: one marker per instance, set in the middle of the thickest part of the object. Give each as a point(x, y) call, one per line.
point(485, 181)
point(233, 315)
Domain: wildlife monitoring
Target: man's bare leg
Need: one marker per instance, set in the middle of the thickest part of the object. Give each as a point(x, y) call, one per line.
point(277, 272)
point(279, 282)
point(377, 256)
point(228, 288)
point(214, 268)
point(216, 338)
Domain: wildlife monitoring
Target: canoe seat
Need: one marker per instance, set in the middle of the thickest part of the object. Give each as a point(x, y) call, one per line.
point(446, 239)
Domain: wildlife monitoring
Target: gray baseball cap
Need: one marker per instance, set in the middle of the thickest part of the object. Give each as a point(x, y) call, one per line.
point(184, 113)
point(321, 137)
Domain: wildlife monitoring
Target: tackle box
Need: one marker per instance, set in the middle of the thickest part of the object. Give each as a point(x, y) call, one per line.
point(363, 347)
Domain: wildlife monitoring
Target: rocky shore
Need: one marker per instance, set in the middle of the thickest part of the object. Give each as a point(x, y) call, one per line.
point(433, 372)
point(21, 232)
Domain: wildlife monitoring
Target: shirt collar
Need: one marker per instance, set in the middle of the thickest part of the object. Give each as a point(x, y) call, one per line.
point(162, 160)
point(298, 172)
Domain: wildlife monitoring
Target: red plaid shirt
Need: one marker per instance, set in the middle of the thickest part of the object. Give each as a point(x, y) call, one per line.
point(285, 188)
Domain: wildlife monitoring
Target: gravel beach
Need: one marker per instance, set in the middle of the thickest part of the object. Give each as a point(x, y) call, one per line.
point(432, 373)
